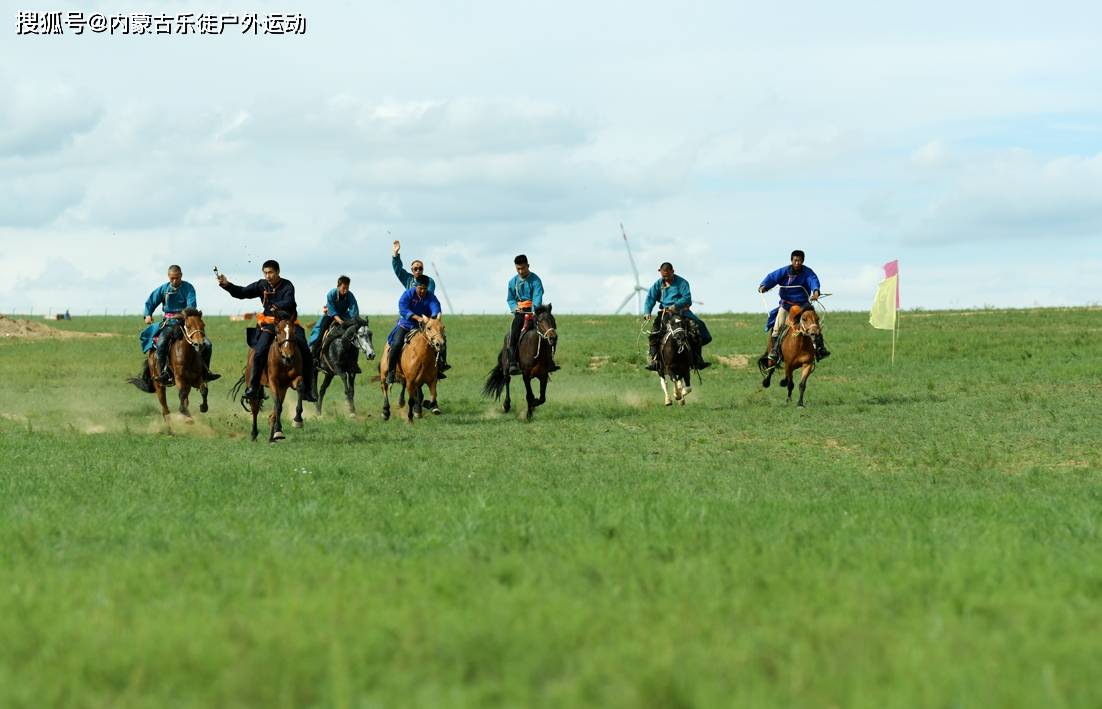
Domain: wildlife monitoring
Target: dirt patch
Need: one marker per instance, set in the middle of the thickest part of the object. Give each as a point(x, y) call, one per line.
point(735, 361)
point(27, 329)
point(597, 361)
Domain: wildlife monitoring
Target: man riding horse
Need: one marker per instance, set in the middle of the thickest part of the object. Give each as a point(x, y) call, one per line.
point(340, 307)
point(409, 280)
point(172, 297)
point(525, 294)
point(415, 305)
point(798, 285)
point(277, 295)
point(672, 292)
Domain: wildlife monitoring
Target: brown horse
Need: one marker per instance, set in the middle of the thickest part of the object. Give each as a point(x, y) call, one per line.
point(797, 350)
point(416, 368)
point(535, 356)
point(283, 372)
point(185, 356)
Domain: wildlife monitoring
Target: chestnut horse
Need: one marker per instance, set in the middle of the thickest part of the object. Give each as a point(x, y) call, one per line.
point(535, 355)
point(675, 357)
point(416, 368)
point(797, 350)
point(283, 372)
point(185, 356)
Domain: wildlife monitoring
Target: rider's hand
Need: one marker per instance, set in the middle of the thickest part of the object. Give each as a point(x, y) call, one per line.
point(761, 289)
point(815, 295)
point(148, 319)
point(646, 317)
point(395, 248)
point(222, 280)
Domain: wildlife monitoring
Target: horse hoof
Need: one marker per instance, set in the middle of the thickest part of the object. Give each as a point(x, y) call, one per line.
point(669, 403)
point(682, 401)
point(297, 424)
point(436, 410)
point(278, 436)
point(800, 405)
point(764, 383)
point(203, 408)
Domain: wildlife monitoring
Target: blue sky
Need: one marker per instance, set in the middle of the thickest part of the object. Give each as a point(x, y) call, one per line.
point(963, 139)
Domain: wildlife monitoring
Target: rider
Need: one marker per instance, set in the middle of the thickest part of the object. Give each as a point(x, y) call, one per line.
point(276, 294)
point(798, 285)
point(416, 304)
point(173, 297)
point(672, 292)
point(409, 280)
point(524, 296)
point(340, 308)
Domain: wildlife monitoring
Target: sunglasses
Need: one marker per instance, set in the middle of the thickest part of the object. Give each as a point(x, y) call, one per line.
point(418, 268)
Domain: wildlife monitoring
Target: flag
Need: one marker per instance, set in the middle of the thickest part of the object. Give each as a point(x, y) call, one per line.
point(885, 305)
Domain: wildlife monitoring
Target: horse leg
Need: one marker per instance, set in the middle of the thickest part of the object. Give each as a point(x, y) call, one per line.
point(276, 431)
point(402, 395)
point(254, 405)
point(386, 401)
point(321, 390)
point(297, 420)
point(203, 408)
point(433, 406)
point(665, 389)
point(350, 393)
point(184, 391)
point(508, 405)
point(419, 401)
point(543, 391)
point(529, 397)
point(807, 369)
point(788, 381)
point(410, 402)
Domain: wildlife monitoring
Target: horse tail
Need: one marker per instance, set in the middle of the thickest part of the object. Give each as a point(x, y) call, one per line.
point(236, 390)
point(495, 382)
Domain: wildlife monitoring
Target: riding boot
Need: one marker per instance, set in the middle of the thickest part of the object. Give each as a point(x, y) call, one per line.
point(514, 366)
point(444, 366)
point(820, 348)
point(165, 372)
point(698, 356)
point(207, 374)
point(254, 391)
point(554, 365)
point(309, 376)
point(392, 363)
point(775, 351)
point(652, 357)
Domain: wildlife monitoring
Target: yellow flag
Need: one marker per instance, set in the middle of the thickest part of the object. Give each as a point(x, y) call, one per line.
point(883, 313)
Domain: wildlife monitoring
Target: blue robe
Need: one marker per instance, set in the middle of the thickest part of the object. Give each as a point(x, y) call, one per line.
point(794, 289)
point(530, 288)
point(171, 301)
point(676, 295)
point(346, 308)
point(406, 278)
point(408, 306)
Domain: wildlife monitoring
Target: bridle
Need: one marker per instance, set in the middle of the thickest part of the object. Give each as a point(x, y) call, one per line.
point(423, 328)
point(548, 335)
point(189, 335)
point(678, 333)
point(284, 337)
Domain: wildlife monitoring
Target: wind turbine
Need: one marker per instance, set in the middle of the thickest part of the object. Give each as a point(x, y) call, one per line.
point(638, 290)
point(440, 282)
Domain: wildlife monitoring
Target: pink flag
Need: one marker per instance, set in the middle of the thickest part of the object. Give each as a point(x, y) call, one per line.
point(891, 270)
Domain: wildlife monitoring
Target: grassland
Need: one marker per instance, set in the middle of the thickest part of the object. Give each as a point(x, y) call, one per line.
point(923, 535)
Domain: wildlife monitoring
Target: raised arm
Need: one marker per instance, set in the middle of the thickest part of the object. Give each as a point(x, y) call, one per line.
point(400, 273)
point(253, 290)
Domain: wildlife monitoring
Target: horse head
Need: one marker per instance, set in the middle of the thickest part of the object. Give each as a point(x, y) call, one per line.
point(808, 323)
point(362, 337)
point(194, 328)
point(676, 328)
point(433, 330)
point(545, 325)
point(285, 337)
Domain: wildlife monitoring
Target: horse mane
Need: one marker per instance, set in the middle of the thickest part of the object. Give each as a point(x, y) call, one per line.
point(282, 315)
point(192, 313)
point(545, 308)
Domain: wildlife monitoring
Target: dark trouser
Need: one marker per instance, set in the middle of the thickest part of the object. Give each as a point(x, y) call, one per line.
point(326, 323)
point(514, 334)
point(397, 340)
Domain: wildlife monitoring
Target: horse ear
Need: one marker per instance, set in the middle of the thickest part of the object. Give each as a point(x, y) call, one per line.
point(199, 313)
point(549, 307)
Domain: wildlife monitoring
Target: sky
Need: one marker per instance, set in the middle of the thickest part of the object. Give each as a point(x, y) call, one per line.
point(964, 139)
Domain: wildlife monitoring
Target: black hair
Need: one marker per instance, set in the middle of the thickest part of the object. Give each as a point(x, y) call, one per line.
point(422, 280)
point(666, 264)
point(796, 253)
point(175, 269)
point(521, 258)
point(272, 264)
point(344, 281)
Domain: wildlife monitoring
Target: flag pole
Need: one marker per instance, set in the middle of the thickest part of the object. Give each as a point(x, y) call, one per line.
point(895, 329)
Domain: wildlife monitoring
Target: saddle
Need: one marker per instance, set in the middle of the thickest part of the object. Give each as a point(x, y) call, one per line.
point(170, 328)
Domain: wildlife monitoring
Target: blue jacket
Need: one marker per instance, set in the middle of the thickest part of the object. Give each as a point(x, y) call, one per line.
point(172, 300)
point(409, 305)
point(282, 297)
point(344, 307)
point(677, 294)
point(405, 277)
point(791, 295)
point(530, 288)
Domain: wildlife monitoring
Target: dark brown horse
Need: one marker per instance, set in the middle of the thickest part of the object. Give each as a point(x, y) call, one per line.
point(185, 357)
point(283, 371)
point(535, 356)
point(416, 368)
point(797, 350)
point(675, 357)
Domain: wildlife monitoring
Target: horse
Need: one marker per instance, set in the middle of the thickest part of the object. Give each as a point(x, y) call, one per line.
point(185, 356)
point(416, 368)
point(338, 358)
point(675, 357)
point(283, 371)
point(535, 355)
point(797, 350)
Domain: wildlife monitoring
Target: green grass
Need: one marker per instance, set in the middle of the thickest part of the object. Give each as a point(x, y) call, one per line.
point(923, 535)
